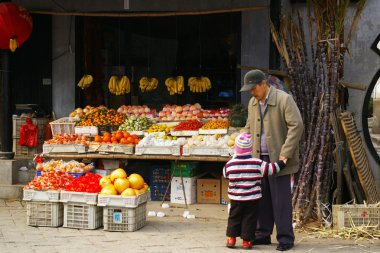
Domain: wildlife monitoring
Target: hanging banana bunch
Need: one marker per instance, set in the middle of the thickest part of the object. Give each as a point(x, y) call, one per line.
point(199, 84)
point(119, 86)
point(175, 85)
point(85, 81)
point(148, 84)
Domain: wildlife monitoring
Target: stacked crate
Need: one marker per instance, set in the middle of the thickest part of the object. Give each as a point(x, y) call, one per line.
point(43, 208)
point(124, 214)
point(159, 180)
point(23, 150)
point(80, 210)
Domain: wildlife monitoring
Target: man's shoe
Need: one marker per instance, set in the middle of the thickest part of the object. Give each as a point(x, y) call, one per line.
point(247, 244)
point(231, 241)
point(284, 246)
point(262, 241)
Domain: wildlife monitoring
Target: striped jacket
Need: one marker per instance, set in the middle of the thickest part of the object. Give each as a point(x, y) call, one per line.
point(244, 174)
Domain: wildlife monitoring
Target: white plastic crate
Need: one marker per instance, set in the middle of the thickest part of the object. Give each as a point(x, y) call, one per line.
point(79, 197)
point(44, 214)
point(119, 201)
point(209, 151)
point(33, 195)
point(116, 148)
point(123, 218)
point(64, 125)
point(157, 150)
point(63, 148)
point(184, 133)
point(86, 130)
point(213, 131)
point(77, 215)
point(359, 215)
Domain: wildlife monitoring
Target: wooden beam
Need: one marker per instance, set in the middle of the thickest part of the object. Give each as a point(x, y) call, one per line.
point(355, 86)
point(148, 14)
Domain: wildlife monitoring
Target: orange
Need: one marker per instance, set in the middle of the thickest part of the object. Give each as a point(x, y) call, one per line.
point(130, 140)
point(137, 141)
point(126, 134)
point(98, 138)
point(119, 135)
point(123, 141)
point(107, 138)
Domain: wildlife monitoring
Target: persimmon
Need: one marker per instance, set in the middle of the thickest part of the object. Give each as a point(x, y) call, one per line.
point(123, 141)
point(130, 140)
point(113, 139)
point(107, 138)
point(98, 138)
point(137, 141)
point(134, 136)
point(115, 142)
point(126, 134)
point(119, 135)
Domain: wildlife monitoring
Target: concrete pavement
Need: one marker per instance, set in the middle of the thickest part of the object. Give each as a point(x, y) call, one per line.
point(170, 234)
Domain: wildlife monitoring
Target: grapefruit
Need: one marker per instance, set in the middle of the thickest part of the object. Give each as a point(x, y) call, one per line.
point(104, 181)
point(121, 184)
point(118, 173)
point(128, 192)
point(108, 190)
point(136, 181)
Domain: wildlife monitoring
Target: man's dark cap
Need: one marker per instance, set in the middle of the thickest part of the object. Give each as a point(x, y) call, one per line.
point(252, 78)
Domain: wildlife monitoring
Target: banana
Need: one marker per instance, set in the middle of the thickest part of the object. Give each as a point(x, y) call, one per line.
point(175, 85)
point(199, 84)
point(85, 81)
point(119, 86)
point(148, 84)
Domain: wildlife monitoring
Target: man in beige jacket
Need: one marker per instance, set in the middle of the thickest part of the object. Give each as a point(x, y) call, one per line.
point(275, 123)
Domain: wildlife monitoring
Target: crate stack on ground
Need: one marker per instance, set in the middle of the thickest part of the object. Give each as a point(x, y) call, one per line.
point(159, 181)
point(356, 215)
point(124, 214)
point(43, 208)
point(80, 210)
point(24, 151)
point(189, 171)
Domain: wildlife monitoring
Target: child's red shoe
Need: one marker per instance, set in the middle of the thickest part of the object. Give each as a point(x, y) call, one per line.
point(247, 244)
point(231, 241)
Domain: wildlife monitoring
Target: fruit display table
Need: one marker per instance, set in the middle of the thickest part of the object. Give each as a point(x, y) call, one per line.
point(138, 157)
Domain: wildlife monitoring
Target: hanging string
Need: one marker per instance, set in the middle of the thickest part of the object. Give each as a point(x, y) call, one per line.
point(176, 38)
point(200, 45)
point(148, 23)
point(119, 45)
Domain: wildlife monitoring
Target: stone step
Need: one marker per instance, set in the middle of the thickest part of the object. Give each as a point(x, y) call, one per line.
point(11, 191)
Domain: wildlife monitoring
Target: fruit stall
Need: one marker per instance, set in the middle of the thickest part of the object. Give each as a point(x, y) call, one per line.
point(71, 184)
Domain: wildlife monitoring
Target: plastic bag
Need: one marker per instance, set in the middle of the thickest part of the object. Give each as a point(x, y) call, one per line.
point(28, 134)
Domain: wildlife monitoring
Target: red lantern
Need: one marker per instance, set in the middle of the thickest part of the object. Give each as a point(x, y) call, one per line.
point(15, 25)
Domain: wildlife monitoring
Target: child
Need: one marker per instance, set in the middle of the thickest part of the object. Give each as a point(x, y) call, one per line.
point(244, 174)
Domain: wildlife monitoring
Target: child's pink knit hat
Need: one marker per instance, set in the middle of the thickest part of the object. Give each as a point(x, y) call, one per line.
point(243, 143)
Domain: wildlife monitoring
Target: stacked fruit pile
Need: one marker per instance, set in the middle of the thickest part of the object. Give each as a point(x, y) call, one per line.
point(177, 112)
point(118, 137)
point(137, 110)
point(52, 180)
point(159, 128)
point(162, 140)
point(102, 117)
point(59, 165)
point(134, 123)
point(117, 183)
point(216, 124)
point(68, 139)
point(86, 183)
point(188, 125)
point(78, 112)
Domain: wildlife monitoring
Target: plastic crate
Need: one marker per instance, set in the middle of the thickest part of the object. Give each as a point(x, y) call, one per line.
point(157, 191)
point(64, 148)
point(64, 125)
point(33, 195)
point(157, 150)
point(209, 151)
point(77, 215)
point(159, 174)
point(40, 122)
point(25, 151)
point(116, 148)
point(188, 169)
point(44, 214)
point(359, 215)
point(124, 219)
point(79, 197)
point(119, 201)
